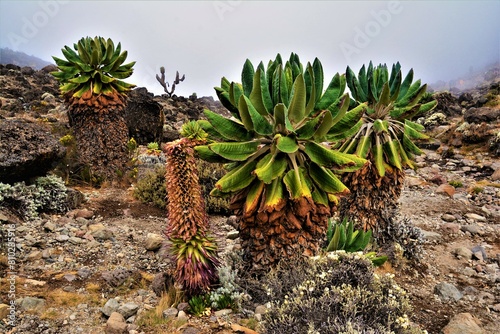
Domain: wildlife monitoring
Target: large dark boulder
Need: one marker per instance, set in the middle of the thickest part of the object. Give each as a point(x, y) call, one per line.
point(144, 117)
point(483, 114)
point(447, 104)
point(27, 150)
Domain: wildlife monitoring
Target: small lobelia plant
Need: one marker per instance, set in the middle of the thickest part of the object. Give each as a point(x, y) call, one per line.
point(194, 251)
point(385, 136)
point(280, 161)
point(91, 81)
point(342, 236)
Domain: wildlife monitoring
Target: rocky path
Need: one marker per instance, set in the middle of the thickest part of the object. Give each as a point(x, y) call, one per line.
point(75, 271)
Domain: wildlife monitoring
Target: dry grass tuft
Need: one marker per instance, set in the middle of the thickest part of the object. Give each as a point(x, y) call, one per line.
point(155, 318)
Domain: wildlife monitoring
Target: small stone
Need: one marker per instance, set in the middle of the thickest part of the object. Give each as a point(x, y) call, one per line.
point(50, 226)
point(116, 324)
point(4, 311)
point(448, 218)
point(95, 227)
point(191, 330)
point(463, 252)
point(34, 282)
point(82, 221)
point(116, 277)
point(84, 213)
point(223, 312)
point(153, 241)
point(447, 291)
point(476, 217)
point(479, 253)
point(462, 323)
point(75, 240)
point(161, 283)
point(182, 316)
point(450, 228)
point(84, 272)
point(33, 256)
point(47, 253)
point(103, 234)
point(69, 277)
point(472, 229)
point(412, 182)
point(69, 288)
point(62, 238)
point(496, 307)
point(111, 306)
point(468, 271)
point(32, 304)
point(446, 189)
point(170, 313)
point(232, 221)
point(491, 268)
point(431, 236)
point(128, 309)
point(183, 306)
point(233, 235)
point(496, 175)
point(80, 233)
point(3, 218)
point(261, 309)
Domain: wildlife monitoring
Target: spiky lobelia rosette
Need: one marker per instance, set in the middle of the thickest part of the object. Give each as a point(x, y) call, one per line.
point(186, 207)
point(194, 252)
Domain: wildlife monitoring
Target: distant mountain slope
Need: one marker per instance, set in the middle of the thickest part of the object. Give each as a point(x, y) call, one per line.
point(8, 56)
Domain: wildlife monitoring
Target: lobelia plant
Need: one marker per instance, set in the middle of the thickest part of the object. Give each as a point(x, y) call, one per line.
point(385, 136)
point(279, 159)
point(91, 83)
point(193, 250)
point(343, 237)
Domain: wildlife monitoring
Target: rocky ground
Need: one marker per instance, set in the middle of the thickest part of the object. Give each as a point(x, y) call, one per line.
point(74, 270)
point(92, 270)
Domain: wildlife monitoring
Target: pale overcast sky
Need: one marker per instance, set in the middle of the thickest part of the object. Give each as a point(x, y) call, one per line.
point(206, 40)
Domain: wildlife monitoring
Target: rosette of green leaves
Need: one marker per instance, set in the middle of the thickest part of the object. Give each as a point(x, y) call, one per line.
point(343, 236)
point(386, 133)
point(276, 142)
point(93, 65)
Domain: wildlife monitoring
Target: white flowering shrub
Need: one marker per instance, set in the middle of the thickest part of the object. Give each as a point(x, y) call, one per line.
point(47, 194)
point(337, 293)
point(229, 294)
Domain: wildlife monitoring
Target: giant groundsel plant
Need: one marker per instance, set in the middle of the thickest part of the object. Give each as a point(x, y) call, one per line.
point(386, 137)
point(277, 150)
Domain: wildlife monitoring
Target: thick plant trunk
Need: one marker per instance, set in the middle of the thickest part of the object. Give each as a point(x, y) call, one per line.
point(373, 199)
point(296, 227)
point(101, 139)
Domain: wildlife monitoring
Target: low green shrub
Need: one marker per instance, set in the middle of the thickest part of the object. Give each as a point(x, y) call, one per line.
point(150, 187)
point(199, 305)
point(455, 183)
